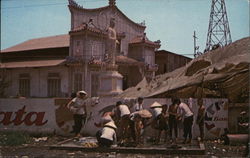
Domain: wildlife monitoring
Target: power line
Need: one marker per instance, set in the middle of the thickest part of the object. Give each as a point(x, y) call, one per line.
point(42, 5)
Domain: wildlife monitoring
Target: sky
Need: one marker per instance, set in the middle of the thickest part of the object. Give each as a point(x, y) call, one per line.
point(171, 21)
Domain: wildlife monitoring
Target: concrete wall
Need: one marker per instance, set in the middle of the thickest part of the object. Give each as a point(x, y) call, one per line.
point(51, 115)
point(32, 115)
point(38, 80)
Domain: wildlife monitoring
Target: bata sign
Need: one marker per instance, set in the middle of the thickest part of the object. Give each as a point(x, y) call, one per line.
point(33, 115)
point(51, 116)
point(21, 116)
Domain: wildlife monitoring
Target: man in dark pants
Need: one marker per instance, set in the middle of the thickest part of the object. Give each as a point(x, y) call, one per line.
point(78, 106)
point(172, 121)
point(188, 115)
point(107, 135)
point(200, 118)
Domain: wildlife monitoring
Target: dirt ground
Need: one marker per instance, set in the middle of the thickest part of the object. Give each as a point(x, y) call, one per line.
point(40, 149)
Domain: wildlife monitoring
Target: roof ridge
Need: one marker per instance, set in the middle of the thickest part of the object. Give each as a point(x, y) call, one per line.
point(32, 44)
point(47, 37)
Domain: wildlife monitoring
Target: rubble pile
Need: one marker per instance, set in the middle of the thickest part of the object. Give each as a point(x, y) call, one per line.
point(223, 72)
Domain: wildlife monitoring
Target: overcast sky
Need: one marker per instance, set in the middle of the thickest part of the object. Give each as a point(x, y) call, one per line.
point(171, 21)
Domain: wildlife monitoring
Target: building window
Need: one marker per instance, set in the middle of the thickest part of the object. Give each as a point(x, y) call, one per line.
point(54, 85)
point(77, 43)
point(77, 82)
point(94, 85)
point(24, 85)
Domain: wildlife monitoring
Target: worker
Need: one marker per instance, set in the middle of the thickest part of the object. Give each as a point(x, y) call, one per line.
point(78, 106)
point(200, 118)
point(159, 121)
point(139, 104)
point(122, 112)
point(187, 115)
point(107, 135)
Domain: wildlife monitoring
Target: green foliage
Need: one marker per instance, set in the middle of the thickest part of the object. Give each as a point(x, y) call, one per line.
point(3, 85)
point(14, 138)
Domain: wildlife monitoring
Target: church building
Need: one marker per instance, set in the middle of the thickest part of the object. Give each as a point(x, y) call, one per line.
point(104, 53)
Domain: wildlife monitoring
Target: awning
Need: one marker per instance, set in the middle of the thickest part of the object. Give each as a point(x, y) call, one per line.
point(36, 63)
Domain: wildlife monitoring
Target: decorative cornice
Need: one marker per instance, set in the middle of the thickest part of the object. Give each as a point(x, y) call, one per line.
point(112, 2)
point(72, 3)
point(88, 27)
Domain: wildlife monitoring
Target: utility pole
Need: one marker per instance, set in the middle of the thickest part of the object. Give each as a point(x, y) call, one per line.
point(218, 29)
point(195, 47)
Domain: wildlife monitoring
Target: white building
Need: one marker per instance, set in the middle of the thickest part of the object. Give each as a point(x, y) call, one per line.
point(59, 65)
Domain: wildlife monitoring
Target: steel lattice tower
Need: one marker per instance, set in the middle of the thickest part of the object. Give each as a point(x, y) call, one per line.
point(218, 29)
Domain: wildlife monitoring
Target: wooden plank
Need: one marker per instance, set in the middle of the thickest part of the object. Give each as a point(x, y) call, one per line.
point(132, 150)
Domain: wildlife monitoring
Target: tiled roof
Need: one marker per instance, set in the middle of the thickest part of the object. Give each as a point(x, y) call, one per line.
point(85, 27)
point(40, 43)
point(141, 39)
point(36, 63)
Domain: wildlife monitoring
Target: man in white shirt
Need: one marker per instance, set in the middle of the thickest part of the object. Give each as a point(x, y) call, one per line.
point(187, 114)
point(78, 106)
point(139, 104)
point(107, 135)
point(122, 112)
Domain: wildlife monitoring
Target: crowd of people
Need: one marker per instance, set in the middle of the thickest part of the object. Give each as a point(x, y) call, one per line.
point(126, 124)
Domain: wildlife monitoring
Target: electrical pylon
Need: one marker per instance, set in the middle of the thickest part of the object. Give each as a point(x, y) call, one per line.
point(218, 29)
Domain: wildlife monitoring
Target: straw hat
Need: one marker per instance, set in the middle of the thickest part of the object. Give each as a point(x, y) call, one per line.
point(145, 113)
point(82, 92)
point(110, 124)
point(156, 105)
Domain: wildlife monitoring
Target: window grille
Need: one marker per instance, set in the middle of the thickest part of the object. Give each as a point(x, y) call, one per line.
point(24, 85)
point(54, 85)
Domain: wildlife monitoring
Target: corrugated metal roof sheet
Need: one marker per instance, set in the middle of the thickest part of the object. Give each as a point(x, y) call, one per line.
point(40, 43)
point(36, 63)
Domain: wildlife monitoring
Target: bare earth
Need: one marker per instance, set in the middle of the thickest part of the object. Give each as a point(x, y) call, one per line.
point(40, 150)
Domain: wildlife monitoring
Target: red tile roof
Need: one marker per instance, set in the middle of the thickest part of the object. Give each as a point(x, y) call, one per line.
point(140, 39)
point(85, 27)
point(37, 63)
point(41, 43)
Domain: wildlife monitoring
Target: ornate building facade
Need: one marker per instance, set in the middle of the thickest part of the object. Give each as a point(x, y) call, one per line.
point(107, 53)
